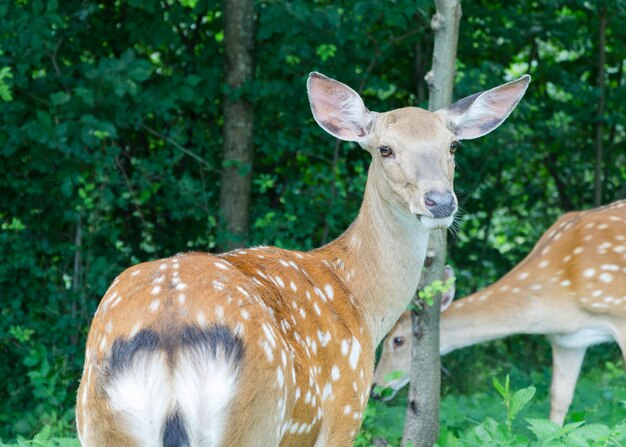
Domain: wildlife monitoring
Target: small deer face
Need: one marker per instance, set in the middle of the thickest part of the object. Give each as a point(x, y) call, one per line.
point(412, 149)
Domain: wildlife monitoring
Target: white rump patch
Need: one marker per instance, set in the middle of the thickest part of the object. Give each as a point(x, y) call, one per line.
point(205, 385)
point(141, 397)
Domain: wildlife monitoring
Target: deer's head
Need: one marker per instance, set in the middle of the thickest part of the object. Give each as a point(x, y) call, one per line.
point(412, 148)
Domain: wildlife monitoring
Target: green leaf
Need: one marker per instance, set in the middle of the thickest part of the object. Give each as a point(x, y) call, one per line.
point(544, 429)
point(59, 98)
point(520, 399)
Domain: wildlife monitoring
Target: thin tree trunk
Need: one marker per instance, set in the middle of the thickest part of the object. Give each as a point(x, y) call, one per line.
point(601, 101)
point(238, 124)
point(422, 418)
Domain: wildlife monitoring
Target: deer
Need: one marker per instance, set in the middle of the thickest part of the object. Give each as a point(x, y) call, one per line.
point(264, 346)
point(571, 288)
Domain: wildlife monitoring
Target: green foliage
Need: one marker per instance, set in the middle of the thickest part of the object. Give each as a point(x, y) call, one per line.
point(508, 417)
point(428, 293)
point(43, 439)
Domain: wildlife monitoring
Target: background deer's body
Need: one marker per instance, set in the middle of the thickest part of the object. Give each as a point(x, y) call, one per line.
point(266, 347)
point(571, 287)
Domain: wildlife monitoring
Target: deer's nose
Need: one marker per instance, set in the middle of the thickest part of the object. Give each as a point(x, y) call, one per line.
point(441, 204)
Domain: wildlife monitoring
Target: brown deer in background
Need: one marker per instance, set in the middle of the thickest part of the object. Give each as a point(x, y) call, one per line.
point(571, 287)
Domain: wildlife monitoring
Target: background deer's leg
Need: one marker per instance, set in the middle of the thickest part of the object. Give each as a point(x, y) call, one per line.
point(566, 363)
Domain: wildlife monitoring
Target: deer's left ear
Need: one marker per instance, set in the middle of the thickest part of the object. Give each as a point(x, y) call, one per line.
point(479, 114)
point(338, 109)
point(448, 296)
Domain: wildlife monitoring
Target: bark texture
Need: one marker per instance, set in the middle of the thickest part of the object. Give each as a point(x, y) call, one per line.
point(422, 418)
point(238, 124)
point(599, 131)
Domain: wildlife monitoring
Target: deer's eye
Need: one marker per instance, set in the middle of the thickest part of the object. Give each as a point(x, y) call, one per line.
point(398, 341)
point(385, 151)
point(454, 146)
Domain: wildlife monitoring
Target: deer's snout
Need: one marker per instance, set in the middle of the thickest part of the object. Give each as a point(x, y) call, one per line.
point(440, 204)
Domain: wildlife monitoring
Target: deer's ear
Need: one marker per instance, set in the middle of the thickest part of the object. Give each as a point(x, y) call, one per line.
point(338, 109)
point(479, 114)
point(448, 296)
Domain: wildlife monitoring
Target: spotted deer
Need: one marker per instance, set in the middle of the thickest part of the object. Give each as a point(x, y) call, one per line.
point(571, 287)
point(265, 346)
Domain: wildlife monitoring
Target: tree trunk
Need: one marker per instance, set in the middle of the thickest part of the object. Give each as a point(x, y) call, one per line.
point(422, 418)
point(238, 124)
point(601, 101)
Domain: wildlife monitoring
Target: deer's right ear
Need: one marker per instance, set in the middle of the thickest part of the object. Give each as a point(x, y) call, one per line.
point(448, 296)
point(338, 109)
point(479, 114)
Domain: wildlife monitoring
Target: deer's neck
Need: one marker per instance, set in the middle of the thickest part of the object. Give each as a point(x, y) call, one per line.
point(495, 312)
point(382, 253)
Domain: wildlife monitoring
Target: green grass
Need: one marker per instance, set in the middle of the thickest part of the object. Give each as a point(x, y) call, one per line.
point(597, 416)
point(599, 399)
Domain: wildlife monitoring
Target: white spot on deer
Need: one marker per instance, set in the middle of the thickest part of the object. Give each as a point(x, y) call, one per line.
point(103, 344)
point(603, 227)
point(610, 267)
point(283, 263)
point(545, 251)
point(134, 330)
point(578, 250)
point(154, 306)
point(354, 353)
point(608, 299)
point(201, 319)
point(596, 293)
point(329, 291)
point(109, 327)
point(328, 391)
point(619, 249)
point(566, 283)
point(219, 311)
point(606, 277)
point(280, 377)
point(324, 338)
point(135, 273)
point(181, 298)
point(588, 273)
point(269, 334)
point(535, 287)
point(347, 410)
point(159, 279)
point(280, 282)
point(567, 258)
point(302, 313)
point(163, 266)
point(117, 300)
point(293, 287)
point(334, 373)
point(522, 276)
point(543, 264)
point(317, 309)
point(221, 265)
point(218, 285)
point(156, 290)
point(344, 347)
point(502, 289)
point(245, 314)
point(269, 353)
